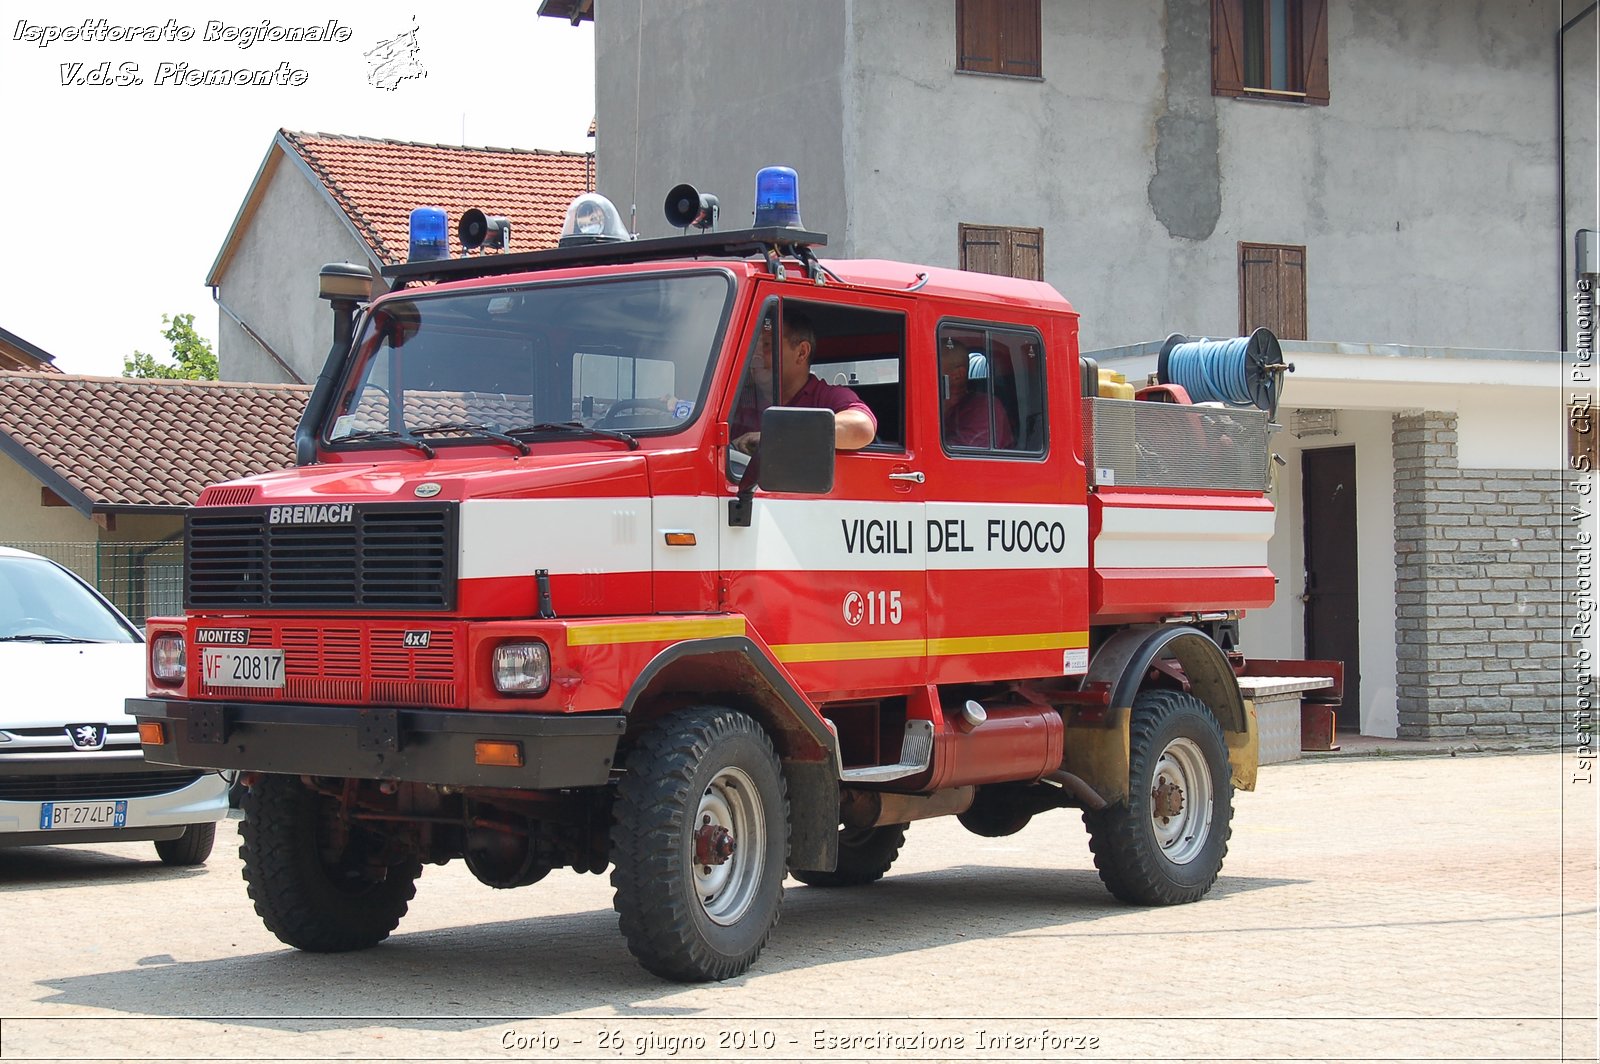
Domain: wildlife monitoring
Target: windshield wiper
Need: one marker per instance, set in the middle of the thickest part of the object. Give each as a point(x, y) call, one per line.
point(575, 427)
point(41, 638)
point(384, 434)
point(471, 429)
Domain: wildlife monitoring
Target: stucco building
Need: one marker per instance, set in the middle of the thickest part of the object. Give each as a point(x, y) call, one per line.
point(1391, 183)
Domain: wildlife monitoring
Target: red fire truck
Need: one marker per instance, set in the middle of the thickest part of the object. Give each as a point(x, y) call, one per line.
point(522, 603)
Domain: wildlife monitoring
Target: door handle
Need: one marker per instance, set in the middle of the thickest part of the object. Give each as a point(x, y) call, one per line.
point(915, 478)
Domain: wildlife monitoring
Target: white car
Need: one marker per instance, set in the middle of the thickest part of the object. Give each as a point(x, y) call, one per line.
point(70, 766)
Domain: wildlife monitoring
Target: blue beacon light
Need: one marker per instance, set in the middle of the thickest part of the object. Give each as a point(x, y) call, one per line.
point(778, 197)
point(430, 235)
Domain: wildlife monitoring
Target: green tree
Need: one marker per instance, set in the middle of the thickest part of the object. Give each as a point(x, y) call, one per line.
point(191, 353)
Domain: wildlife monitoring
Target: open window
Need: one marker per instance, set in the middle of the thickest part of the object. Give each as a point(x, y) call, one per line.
point(991, 391)
point(861, 349)
point(1276, 49)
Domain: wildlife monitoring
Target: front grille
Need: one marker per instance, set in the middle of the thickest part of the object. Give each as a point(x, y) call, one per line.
point(93, 786)
point(355, 665)
point(384, 558)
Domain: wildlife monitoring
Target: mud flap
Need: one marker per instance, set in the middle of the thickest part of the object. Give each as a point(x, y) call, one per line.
point(1097, 751)
point(1244, 750)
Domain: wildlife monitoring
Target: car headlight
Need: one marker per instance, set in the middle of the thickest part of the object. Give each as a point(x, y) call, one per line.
point(169, 658)
point(522, 668)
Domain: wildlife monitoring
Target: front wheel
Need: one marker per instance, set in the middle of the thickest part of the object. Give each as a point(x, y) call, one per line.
point(189, 849)
point(320, 882)
point(1164, 845)
point(700, 844)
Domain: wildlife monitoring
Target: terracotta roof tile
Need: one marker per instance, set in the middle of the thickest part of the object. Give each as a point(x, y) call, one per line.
point(128, 442)
point(379, 182)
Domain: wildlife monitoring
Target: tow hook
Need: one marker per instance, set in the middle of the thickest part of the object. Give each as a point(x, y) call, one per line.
point(1166, 800)
point(713, 844)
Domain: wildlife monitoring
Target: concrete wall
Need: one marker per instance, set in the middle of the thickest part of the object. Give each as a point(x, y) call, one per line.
point(723, 88)
point(1425, 192)
point(271, 281)
point(1479, 595)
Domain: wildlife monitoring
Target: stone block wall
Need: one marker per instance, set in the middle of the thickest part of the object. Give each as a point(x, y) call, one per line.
point(1478, 593)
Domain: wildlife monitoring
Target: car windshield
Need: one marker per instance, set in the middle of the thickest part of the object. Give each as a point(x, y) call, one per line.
point(41, 602)
point(596, 359)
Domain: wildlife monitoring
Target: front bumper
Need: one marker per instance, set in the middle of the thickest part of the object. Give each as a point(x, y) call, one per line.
point(150, 816)
point(411, 745)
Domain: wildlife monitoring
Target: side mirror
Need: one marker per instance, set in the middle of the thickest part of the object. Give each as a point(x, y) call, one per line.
point(797, 446)
point(796, 455)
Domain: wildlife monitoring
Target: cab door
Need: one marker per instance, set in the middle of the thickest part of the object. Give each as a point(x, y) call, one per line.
point(1007, 521)
point(835, 585)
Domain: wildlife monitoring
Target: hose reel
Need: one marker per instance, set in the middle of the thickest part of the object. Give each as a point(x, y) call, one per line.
point(1243, 371)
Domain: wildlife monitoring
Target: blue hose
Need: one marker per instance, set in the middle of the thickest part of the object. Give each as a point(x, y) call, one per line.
point(1233, 371)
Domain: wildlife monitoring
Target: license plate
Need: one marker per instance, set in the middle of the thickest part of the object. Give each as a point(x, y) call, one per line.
point(260, 667)
point(64, 816)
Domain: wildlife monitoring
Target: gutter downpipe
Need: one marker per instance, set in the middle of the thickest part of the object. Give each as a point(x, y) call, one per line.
point(1561, 153)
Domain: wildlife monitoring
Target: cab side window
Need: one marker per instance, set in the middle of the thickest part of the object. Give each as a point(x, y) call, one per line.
point(991, 390)
point(858, 348)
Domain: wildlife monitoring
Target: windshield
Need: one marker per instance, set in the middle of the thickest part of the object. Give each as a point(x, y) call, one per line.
point(596, 358)
point(41, 602)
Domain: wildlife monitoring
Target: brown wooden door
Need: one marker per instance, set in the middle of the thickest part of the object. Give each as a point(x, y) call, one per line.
point(1328, 483)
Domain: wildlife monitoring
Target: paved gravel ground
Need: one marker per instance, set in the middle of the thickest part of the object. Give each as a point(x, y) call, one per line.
point(1438, 908)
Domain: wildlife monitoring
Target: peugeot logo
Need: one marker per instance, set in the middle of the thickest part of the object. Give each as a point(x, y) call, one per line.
point(87, 736)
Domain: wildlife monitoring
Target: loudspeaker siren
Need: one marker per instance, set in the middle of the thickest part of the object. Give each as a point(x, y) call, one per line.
point(486, 230)
point(687, 206)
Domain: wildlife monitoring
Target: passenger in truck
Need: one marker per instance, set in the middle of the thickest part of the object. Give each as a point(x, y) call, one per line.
point(854, 425)
point(972, 417)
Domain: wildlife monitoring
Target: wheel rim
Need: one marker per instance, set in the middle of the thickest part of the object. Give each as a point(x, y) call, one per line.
point(1180, 801)
point(731, 803)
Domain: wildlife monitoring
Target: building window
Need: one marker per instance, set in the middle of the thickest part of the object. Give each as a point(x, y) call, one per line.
point(1270, 48)
point(998, 37)
point(1272, 289)
point(1009, 251)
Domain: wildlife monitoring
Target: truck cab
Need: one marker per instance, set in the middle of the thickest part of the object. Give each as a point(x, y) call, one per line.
point(558, 582)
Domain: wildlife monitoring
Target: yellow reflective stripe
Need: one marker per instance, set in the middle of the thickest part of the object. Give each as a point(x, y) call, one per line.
point(1005, 644)
point(886, 648)
point(666, 631)
point(912, 648)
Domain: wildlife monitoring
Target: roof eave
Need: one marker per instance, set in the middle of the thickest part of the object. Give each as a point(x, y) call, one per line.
point(42, 472)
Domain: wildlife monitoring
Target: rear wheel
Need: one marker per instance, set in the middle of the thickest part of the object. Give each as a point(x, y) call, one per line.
point(319, 882)
point(865, 854)
point(700, 844)
point(1164, 845)
point(190, 848)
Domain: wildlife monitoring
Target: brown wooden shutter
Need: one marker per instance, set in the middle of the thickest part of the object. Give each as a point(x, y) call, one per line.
point(983, 249)
point(977, 36)
point(1227, 47)
point(998, 37)
point(1019, 37)
point(1027, 254)
point(1291, 294)
point(1272, 289)
point(1314, 49)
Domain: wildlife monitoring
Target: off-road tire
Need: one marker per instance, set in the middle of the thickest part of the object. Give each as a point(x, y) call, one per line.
point(865, 854)
point(1173, 737)
point(190, 848)
point(301, 900)
point(683, 921)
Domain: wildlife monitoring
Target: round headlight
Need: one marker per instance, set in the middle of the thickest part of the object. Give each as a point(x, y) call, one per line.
point(169, 659)
point(522, 668)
